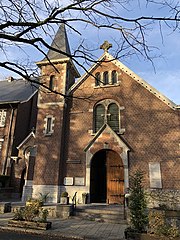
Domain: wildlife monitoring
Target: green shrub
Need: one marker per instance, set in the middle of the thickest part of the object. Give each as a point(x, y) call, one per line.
point(64, 194)
point(32, 212)
point(19, 214)
point(137, 204)
point(34, 202)
point(43, 215)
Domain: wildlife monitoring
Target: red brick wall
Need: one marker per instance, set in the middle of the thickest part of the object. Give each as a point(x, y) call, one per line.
point(151, 127)
point(49, 148)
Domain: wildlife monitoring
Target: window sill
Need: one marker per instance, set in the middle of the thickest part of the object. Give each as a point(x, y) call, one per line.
point(73, 161)
point(48, 134)
point(107, 85)
point(121, 131)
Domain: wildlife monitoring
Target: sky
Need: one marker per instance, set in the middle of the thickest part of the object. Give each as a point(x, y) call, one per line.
point(163, 74)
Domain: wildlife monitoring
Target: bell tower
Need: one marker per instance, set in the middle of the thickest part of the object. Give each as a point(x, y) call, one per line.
point(58, 73)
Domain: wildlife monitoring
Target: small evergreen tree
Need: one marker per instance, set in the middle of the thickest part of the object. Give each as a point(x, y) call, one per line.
point(138, 205)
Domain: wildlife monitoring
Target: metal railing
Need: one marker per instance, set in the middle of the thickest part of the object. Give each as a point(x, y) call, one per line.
point(74, 199)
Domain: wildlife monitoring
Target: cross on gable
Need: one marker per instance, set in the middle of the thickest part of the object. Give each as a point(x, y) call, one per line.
point(105, 46)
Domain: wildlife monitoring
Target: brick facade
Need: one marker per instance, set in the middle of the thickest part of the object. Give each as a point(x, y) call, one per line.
point(149, 130)
point(60, 149)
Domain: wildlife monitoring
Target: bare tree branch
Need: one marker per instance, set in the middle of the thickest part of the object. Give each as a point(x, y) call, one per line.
point(31, 23)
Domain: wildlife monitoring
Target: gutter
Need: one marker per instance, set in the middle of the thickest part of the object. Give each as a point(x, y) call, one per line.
point(1, 103)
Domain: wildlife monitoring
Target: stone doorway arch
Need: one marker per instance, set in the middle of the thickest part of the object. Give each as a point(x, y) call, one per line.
point(107, 139)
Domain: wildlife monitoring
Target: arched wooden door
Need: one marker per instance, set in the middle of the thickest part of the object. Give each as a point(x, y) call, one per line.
point(107, 177)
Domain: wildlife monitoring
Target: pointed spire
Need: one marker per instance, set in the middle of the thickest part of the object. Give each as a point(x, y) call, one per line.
point(61, 43)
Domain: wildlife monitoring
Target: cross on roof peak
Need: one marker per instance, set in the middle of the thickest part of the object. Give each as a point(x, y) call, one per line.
point(105, 46)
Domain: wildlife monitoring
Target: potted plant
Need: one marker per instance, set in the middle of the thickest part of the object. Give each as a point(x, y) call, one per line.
point(64, 199)
point(84, 198)
point(43, 197)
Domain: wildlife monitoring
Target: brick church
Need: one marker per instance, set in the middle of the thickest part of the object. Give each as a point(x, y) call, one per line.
point(94, 135)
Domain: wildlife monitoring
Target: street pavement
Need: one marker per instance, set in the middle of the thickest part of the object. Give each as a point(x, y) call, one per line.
point(72, 228)
point(10, 235)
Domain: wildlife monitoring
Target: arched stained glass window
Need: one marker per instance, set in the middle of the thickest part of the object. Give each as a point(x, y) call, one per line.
point(107, 112)
point(105, 78)
point(114, 77)
point(97, 80)
point(99, 116)
point(113, 116)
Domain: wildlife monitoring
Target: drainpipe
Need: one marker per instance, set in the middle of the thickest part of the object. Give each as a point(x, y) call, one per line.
point(8, 139)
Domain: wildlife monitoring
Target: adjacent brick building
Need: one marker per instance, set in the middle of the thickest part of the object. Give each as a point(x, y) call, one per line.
point(99, 130)
point(18, 112)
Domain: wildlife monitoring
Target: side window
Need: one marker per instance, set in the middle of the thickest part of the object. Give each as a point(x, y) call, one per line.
point(113, 116)
point(99, 116)
point(97, 79)
point(1, 143)
point(105, 78)
point(114, 77)
point(2, 117)
point(52, 82)
point(48, 125)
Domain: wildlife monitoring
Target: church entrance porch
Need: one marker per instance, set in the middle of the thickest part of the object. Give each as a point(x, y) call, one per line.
point(106, 178)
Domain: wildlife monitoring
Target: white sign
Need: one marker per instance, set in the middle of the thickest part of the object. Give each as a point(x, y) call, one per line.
point(79, 181)
point(68, 181)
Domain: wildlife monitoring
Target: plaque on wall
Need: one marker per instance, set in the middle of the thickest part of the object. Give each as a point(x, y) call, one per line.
point(68, 181)
point(155, 175)
point(79, 181)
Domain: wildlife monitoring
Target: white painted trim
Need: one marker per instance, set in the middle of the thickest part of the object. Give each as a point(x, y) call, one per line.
point(56, 61)
point(1, 143)
point(47, 62)
point(51, 126)
point(46, 105)
point(26, 139)
point(3, 114)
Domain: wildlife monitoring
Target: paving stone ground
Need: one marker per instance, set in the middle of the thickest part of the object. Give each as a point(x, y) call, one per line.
point(74, 228)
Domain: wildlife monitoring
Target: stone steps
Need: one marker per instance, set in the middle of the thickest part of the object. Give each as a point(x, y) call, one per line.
point(101, 213)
